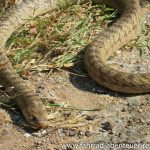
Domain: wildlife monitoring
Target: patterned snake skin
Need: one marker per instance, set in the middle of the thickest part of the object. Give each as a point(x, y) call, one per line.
point(125, 29)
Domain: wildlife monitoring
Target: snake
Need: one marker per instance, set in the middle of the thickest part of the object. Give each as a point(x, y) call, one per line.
point(126, 28)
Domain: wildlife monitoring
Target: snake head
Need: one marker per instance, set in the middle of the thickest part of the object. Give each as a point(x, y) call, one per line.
point(37, 120)
point(35, 113)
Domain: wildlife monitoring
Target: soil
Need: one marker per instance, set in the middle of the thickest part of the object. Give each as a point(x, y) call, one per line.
point(121, 121)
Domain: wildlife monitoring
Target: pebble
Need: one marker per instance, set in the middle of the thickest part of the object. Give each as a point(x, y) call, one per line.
point(37, 134)
point(89, 117)
point(88, 133)
point(27, 135)
point(106, 126)
point(39, 142)
point(43, 132)
point(72, 133)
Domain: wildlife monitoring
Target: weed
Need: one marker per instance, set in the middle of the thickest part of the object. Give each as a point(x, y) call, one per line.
point(67, 32)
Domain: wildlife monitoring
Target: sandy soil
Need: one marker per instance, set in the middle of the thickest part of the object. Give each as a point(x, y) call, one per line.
point(120, 118)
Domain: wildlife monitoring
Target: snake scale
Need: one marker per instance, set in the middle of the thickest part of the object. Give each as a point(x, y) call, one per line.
point(98, 51)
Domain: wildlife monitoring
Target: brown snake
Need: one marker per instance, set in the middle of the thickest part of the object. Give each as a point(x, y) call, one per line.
point(106, 43)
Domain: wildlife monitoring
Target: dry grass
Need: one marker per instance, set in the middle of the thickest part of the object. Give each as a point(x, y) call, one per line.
point(55, 40)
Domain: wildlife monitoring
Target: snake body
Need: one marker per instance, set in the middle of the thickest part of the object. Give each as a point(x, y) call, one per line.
point(121, 32)
point(106, 43)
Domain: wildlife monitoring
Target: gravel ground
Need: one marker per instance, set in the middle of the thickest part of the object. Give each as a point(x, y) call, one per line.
point(121, 122)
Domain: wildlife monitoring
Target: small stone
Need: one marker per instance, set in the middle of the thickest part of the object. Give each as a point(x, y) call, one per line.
point(38, 147)
point(106, 126)
point(88, 133)
point(37, 134)
point(43, 132)
point(72, 133)
point(89, 117)
point(43, 140)
point(27, 135)
point(39, 143)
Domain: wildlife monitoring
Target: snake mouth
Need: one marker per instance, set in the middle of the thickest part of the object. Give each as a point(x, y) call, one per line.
point(38, 122)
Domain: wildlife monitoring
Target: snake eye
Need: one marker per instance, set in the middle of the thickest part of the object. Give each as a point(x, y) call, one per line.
point(34, 119)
